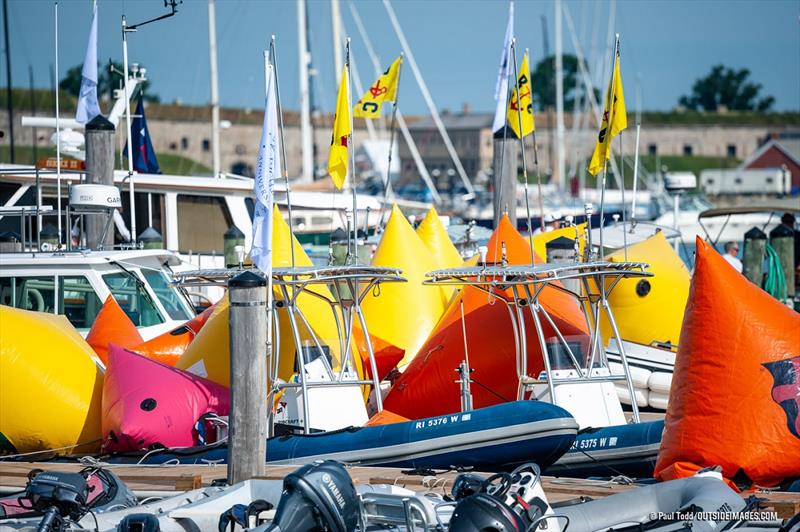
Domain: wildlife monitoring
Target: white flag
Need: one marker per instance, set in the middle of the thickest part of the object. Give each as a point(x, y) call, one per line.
point(268, 169)
point(501, 87)
point(88, 107)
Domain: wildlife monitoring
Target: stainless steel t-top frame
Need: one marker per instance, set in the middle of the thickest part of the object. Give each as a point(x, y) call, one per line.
point(347, 285)
point(519, 287)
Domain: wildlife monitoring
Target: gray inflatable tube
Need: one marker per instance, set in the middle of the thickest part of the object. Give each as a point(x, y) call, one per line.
point(704, 503)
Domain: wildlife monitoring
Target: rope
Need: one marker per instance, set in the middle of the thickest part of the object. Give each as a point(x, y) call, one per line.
point(775, 280)
point(18, 455)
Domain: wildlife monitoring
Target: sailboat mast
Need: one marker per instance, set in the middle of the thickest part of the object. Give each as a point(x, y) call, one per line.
point(429, 101)
point(8, 78)
point(307, 169)
point(412, 146)
point(336, 34)
point(212, 52)
point(58, 135)
point(560, 156)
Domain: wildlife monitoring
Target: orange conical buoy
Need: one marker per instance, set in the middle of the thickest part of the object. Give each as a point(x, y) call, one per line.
point(167, 348)
point(112, 325)
point(427, 387)
point(736, 387)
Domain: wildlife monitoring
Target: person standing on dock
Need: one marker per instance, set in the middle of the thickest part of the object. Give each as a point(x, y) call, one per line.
point(731, 255)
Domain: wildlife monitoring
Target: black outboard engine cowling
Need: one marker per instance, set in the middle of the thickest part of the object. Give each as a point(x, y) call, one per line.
point(68, 492)
point(483, 512)
point(317, 497)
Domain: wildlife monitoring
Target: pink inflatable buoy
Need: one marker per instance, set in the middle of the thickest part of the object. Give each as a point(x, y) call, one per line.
point(148, 405)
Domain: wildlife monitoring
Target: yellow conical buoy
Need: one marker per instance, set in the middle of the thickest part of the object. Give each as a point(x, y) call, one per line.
point(209, 354)
point(434, 235)
point(540, 240)
point(650, 309)
point(51, 385)
point(403, 314)
point(444, 254)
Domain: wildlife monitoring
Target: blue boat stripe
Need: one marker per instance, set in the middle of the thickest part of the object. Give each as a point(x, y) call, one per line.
point(450, 443)
point(577, 456)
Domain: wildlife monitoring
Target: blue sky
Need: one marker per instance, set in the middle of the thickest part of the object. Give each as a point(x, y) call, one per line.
point(457, 44)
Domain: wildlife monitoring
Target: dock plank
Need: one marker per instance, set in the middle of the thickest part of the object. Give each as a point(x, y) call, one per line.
point(185, 477)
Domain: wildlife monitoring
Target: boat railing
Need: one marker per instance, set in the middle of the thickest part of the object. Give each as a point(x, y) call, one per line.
point(343, 289)
point(519, 287)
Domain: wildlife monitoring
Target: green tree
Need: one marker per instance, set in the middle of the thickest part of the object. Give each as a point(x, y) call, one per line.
point(107, 81)
point(544, 82)
point(729, 88)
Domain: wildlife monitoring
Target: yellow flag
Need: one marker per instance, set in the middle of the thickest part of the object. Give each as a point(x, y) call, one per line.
point(383, 90)
point(523, 102)
point(337, 159)
point(614, 114)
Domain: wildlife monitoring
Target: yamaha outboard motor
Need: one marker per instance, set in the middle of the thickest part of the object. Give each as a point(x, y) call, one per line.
point(483, 512)
point(59, 495)
point(317, 497)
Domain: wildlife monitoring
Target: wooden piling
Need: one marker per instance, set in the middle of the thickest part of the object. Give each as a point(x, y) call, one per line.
point(247, 436)
point(99, 170)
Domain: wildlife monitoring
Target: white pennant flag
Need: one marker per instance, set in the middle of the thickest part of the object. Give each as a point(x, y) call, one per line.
point(268, 169)
point(88, 107)
point(501, 87)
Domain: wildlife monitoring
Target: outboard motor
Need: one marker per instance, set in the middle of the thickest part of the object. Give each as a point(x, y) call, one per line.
point(59, 495)
point(317, 497)
point(484, 512)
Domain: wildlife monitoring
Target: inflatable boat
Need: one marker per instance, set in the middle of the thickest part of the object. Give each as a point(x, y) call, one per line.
point(489, 439)
point(629, 450)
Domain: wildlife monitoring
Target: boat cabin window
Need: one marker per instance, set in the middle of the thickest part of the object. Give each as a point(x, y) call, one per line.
point(172, 299)
point(78, 301)
point(202, 222)
point(29, 293)
point(130, 293)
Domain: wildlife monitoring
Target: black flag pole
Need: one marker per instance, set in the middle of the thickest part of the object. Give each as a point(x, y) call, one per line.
point(521, 136)
point(387, 186)
point(273, 59)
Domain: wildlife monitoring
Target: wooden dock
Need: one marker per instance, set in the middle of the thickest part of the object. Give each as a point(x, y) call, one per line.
point(165, 478)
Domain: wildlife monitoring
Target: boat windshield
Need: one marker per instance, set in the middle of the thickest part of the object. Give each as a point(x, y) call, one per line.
point(132, 296)
point(171, 298)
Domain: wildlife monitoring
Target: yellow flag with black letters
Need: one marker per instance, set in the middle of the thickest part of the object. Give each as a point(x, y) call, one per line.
point(613, 114)
point(337, 158)
point(520, 107)
point(383, 90)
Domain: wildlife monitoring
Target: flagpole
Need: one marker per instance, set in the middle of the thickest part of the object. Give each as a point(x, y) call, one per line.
point(58, 137)
point(635, 175)
point(536, 163)
point(610, 122)
point(351, 155)
point(131, 193)
point(284, 163)
point(268, 70)
point(388, 185)
point(622, 178)
point(522, 147)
